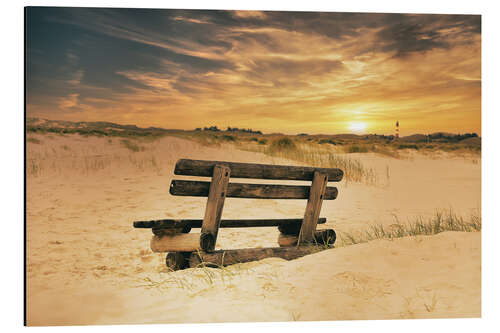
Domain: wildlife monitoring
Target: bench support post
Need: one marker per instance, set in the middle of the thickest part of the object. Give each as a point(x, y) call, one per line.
point(313, 208)
point(215, 204)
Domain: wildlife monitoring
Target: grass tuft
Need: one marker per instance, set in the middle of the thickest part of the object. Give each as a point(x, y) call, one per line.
point(353, 169)
point(226, 137)
point(356, 149)
point(132, 146)
point(283, 144)
point(442, 221)
point(323, 141)
point(262, 141)
point(34, 140)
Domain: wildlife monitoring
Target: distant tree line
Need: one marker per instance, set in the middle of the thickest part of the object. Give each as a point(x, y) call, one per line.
point(445, 137)
point(96, 132)
point(452, 137)
point(229, 129)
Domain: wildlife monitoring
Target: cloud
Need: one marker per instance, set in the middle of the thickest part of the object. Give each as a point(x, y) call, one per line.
point(186, 66)
point(250, 14)
point(68, 102)
point(191, 20)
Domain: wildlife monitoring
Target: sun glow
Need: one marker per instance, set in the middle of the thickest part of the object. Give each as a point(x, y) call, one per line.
point(357, 127)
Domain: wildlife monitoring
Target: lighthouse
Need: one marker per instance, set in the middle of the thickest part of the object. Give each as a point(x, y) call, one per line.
point(397, 129)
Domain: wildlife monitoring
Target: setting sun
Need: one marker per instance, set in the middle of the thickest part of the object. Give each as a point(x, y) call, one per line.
point(357, 127)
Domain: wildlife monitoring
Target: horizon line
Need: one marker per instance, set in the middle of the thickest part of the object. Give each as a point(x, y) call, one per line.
point(246, 128)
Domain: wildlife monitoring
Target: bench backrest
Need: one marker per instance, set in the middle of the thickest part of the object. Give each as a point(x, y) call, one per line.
point(201, 168)
point(219, 188)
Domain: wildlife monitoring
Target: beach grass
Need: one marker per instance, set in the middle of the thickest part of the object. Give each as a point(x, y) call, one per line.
point(442, 221)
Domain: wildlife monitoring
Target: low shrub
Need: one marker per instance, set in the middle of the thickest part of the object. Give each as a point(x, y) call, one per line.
point(226, 137)
point(132, 146)
point(357, 149)
point(323, 141)
point(408, 146)
point(283, 144)
point(34, 140)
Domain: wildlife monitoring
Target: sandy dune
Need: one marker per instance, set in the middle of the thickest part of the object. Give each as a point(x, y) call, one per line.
point(87, 265)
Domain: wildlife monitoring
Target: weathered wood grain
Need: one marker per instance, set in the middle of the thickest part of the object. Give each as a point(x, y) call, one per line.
point(215, 203)
point(231, 257)
point(291, 229)
point(259, 171)
point(252, 191)
point(207, 241)
point(186, 224)
point(177, 260)
point(313, 207)
point(324, 237)
point(171, 231)
point(176, 243)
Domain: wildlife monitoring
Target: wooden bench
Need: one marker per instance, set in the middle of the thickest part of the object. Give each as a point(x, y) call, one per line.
point(186, 249)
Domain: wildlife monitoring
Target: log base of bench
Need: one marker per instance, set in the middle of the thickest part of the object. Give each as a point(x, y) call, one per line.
point(230, 257)
point(177, 260)
point(324, 237)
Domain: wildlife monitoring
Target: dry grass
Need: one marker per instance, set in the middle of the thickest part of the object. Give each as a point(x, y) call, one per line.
point(199, 279)
point(34, 140)
point(313, 155)
point(132, 146)
point(440, 222)
point(33, 167)
point(145, 163)
point(303, 151)
point(89, 159)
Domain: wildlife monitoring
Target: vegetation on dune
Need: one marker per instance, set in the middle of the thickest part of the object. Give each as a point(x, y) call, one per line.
point(356, 149)
point(282, 144)
point(330, 141)
point(308, 149)
point(97, 132)
point(354, 170)
point(229, 129)
point(99, 129)
point(132, 146)
point(228, 138)
point(407, 146)
point(442, 221)
point(34, 140)
point(386, 145)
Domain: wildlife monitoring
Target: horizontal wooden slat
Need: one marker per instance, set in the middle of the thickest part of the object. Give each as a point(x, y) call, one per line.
point(246, 223)
point(202, 168)
point(254, 191)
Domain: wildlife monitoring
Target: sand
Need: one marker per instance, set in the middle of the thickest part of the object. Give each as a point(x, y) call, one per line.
point(86, 264)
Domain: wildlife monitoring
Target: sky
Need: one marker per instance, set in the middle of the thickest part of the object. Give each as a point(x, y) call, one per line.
point(288, 72)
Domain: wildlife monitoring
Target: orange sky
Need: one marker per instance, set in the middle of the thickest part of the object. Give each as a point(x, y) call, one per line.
point(272, 71)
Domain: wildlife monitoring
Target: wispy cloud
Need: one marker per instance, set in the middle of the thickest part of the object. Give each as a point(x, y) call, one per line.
point(293, 71)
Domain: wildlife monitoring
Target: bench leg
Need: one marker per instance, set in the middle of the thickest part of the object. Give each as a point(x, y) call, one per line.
point(213, 210)
point(313, 208)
